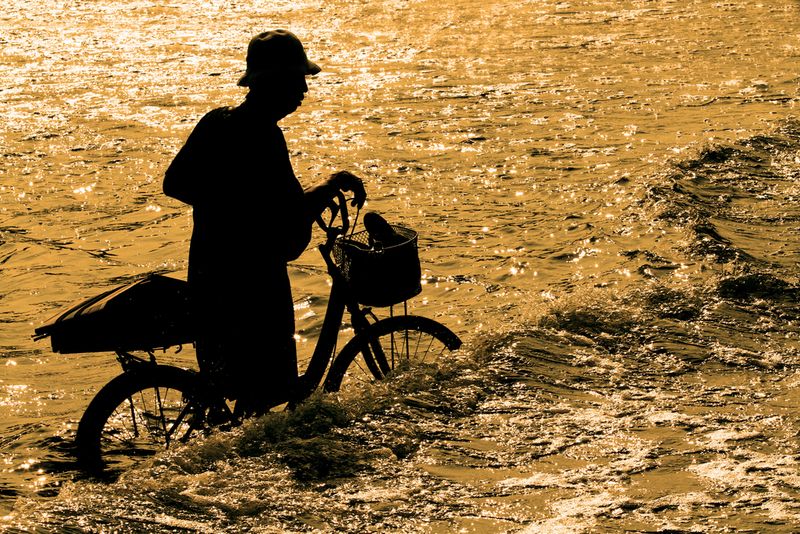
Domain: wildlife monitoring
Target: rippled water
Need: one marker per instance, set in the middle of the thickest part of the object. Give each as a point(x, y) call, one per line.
point(607, 199)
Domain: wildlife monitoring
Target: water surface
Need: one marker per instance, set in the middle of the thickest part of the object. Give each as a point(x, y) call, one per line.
point(607, 199)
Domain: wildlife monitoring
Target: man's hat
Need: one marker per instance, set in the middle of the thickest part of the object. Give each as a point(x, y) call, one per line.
point(276, 51)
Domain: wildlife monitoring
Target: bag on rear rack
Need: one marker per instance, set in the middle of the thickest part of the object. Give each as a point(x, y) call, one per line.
point(148, 314)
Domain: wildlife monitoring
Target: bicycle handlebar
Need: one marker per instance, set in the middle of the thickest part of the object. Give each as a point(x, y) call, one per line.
point(338, 207)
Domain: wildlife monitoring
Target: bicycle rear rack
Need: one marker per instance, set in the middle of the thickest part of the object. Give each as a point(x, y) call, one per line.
point(130, 361)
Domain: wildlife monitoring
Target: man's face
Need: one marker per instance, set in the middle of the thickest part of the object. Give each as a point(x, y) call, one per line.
point(280, 94)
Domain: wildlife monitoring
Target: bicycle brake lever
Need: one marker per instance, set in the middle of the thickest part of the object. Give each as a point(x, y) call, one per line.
point(343, 209)
point(338, 207)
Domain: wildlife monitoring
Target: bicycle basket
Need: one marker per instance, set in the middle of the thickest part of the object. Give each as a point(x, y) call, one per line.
point(380, 277)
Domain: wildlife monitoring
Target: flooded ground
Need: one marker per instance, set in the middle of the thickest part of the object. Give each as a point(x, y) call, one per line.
point(606, 194)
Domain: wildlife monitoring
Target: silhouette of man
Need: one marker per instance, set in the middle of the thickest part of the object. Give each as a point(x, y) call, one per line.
point(251, 216)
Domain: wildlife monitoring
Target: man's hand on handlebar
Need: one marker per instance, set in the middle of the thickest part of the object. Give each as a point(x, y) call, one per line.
point(330, 195)
point(347, 181)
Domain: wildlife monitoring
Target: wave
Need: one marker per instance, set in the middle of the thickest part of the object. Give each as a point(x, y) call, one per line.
point(737, 202)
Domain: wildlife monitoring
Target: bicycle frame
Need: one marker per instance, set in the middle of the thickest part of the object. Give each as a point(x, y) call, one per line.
point(181, 401)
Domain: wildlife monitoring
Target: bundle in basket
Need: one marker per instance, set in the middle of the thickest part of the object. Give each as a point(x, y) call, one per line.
point(380, 276)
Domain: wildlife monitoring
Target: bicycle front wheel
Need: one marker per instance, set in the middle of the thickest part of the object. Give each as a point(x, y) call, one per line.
point(136, 415)
point(390, 345)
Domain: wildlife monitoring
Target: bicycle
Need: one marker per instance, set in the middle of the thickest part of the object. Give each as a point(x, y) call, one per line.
point(152, 406)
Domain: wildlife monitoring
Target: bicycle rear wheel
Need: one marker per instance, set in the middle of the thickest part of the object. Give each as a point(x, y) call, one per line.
point(138, 414)
point(388, 346)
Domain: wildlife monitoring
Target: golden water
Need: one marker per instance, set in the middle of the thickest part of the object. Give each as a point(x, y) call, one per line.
point(562, 163)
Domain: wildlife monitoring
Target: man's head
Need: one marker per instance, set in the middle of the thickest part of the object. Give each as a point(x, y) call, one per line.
point(275, 54)
point(277, 67)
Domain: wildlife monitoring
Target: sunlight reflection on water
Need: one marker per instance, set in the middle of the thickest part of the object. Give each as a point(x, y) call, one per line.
point(528, 143)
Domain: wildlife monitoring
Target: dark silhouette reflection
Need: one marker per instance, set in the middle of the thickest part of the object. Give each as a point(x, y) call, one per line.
point(251, 217)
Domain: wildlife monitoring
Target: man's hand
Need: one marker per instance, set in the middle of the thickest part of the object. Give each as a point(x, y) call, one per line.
point(346, 181)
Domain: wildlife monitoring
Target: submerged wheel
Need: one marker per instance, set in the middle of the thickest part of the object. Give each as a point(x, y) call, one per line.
point(390, 345)
point(136, 415)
